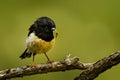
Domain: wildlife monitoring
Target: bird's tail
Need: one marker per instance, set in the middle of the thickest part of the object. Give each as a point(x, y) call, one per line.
point(25, 54)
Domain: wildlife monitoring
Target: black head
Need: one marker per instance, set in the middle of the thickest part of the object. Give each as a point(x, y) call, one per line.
point(43, 28)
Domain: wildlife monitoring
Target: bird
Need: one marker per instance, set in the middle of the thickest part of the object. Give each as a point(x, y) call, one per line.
point(40, 39)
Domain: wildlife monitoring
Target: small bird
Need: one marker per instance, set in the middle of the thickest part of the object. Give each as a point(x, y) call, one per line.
point(41, 38)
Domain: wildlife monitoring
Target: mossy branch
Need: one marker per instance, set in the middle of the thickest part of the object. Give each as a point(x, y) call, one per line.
point(92, 70)
point(100, 66)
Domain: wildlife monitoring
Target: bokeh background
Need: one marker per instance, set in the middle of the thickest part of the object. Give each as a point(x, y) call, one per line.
point(88, 29)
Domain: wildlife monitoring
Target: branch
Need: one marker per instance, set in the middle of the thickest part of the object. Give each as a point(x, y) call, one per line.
point(100, 66)
point(92, 70)
point(67, 64)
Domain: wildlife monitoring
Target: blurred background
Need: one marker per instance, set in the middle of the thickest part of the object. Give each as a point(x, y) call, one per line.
point(88, 29)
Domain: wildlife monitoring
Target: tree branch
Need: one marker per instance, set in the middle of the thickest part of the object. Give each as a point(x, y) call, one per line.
point(67, 64)
point(100, 66)
point(92, 70)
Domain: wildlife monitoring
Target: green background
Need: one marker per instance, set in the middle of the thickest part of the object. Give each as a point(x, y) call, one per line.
point(88, 29)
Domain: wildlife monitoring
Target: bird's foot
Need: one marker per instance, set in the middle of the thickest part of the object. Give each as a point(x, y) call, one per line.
point(33, 65)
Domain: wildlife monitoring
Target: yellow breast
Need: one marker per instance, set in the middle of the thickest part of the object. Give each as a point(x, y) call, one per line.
point(37, 45)
point(43, 46)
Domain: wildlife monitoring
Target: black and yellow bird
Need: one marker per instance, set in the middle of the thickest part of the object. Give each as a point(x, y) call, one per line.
point(41, 38)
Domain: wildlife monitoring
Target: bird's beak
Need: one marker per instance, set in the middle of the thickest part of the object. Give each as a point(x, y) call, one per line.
point(53, 29)
point(55, 33)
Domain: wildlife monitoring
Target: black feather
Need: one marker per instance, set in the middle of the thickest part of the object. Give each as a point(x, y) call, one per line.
point(26, 54)
point(43, 28)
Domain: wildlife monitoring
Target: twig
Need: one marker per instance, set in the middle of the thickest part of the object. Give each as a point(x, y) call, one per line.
point(100, 66)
